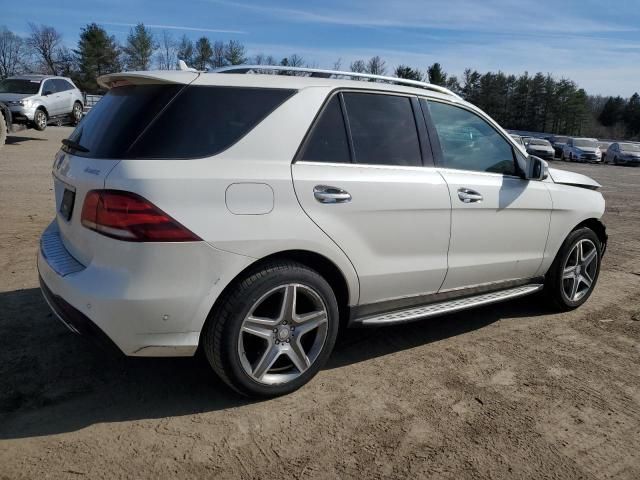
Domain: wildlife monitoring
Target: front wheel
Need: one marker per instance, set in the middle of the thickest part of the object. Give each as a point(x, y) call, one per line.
point(574, 272)
point(273, 331)
point(40, 120)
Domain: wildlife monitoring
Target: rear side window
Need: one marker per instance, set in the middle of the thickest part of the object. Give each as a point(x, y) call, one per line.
point(468, 142)
point(328, 139)
point(383, 129)
point(173, 121)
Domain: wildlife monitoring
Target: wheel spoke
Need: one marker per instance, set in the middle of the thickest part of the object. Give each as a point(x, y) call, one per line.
point(288, 308)
point(569, 272)
point(268, 358)
point(311, 321)
point(574, 288)
point(584, 278)
point(296, 354)
point(260, 327)
point(589, 258)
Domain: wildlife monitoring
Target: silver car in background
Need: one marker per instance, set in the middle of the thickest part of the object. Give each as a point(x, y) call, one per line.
point(36, 100)
point(582, 150)
point(623, 153)
point(540, 148)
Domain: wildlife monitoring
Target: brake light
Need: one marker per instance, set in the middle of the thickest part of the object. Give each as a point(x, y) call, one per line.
point(127, 216)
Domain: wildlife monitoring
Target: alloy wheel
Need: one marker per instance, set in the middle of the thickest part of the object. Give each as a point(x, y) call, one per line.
point(283, 334)
point(580, 270)
point(41, 119)
point(77, 112)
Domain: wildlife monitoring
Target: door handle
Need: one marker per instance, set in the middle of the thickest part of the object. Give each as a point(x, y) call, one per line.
point(469, 196)
point(327, 194)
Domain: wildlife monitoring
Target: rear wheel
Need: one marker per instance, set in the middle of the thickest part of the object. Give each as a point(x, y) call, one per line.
point(574, 272)
point(76, 113)
point(273, 331)
point(40, 120)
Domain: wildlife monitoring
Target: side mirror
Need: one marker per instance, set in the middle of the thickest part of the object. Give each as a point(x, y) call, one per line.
point(536, 168)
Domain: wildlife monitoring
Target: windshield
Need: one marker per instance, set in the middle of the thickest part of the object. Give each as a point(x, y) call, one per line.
point(581, 142)
point(538, 141)
point(629, 147)
point(17, 85)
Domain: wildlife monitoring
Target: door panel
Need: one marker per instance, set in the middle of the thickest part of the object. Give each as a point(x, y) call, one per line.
point(54, 101)
point(501, 236)
point(394, 228)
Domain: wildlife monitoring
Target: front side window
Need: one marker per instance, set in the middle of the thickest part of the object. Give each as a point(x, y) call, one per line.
point(49, 87)
point(327, 141)
point(469, 142)
point(383, 129)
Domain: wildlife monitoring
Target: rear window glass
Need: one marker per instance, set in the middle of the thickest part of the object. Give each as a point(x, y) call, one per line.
point(383, 129)
point(173, 121)
point(328, 140)
point(16, 85)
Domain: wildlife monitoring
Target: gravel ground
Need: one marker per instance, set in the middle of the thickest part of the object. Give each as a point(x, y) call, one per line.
point(508, 391)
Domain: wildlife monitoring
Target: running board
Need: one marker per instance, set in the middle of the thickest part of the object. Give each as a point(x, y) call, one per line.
point(449, 306)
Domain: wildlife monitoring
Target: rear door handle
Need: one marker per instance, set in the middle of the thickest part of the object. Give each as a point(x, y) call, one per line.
point(469, 196)
point(327, 194)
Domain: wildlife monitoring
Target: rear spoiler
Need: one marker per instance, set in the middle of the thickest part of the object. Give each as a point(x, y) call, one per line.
point(147, 78)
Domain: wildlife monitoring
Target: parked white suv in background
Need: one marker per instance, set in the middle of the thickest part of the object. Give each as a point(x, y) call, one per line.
point(251, 215)
point(36, 100)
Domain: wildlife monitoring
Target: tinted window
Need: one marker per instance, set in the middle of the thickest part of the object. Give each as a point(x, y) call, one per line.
point(470, 143)
point(62, 85)
point(49, 86)
point(383, 129)
point(172, 121)
point(328, 139)
point(114, 123)
point(17, 85)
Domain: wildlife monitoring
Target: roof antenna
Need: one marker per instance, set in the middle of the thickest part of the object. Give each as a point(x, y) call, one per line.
point(182, 66)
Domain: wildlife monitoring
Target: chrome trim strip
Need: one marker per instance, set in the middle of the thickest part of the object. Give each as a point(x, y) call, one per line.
point(55, 253)
point(441, 308)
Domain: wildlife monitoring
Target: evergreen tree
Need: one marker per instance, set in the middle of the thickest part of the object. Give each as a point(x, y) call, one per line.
point(97, 54)
point(185, 50)
point(403, 71)
point(436, 75)
point(139, 48)
point(203, 53)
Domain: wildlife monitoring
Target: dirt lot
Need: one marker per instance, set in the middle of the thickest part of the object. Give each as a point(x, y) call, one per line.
point(509, 391)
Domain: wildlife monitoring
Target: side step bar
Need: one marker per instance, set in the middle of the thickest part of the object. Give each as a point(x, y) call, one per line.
point(449, 306)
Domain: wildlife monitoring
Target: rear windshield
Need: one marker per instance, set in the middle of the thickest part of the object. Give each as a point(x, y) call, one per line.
point(172, 121)
point(581, 142)
point(629, 147)
point(22, 86)
point(540, 142)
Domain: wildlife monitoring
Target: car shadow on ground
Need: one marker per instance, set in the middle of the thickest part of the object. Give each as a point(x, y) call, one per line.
point(11, 140)
point(53, 381)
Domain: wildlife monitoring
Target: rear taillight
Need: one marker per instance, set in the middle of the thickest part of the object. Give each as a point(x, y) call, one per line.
point(127, 216)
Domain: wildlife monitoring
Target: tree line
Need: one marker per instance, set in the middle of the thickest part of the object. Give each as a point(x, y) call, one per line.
point(538, 102)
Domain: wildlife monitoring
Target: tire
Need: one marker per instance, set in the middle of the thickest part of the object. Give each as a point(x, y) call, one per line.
point(76, 114)
point(40, 120)
point(255, 346)
point(572, 265)
point(4, 130)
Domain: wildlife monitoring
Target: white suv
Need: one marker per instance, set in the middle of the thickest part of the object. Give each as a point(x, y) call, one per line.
point(252, 215)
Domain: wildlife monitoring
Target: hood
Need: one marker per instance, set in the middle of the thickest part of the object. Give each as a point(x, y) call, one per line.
point(12, 97)
point(571, 178)
point(588, 149)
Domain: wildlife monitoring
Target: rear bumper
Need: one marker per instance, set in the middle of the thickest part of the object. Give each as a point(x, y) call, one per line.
point(146, 299)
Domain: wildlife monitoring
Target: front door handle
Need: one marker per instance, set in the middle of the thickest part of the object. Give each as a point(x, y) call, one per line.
point(469, 196)
point(327, 194)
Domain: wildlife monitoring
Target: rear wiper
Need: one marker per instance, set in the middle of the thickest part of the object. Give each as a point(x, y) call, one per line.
point(75, 145)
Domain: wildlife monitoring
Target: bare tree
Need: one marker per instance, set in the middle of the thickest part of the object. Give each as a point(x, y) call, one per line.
point(259, 59)
point(12, 53)
point(167, 54)
point(185, 50)
point(337, 64)
point(358, 66)
point(376, 66)
point(44, 42)
point(218, 59)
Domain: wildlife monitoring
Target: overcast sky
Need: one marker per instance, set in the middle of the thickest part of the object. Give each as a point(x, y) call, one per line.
point(595, 43)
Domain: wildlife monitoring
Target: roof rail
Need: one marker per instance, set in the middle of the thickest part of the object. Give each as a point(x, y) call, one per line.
point(316, 72)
